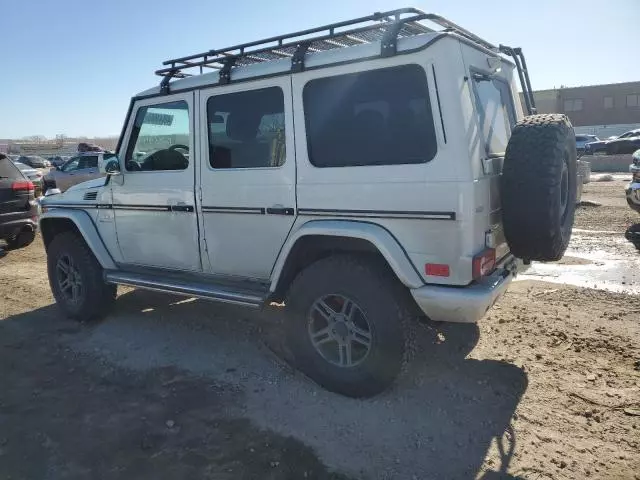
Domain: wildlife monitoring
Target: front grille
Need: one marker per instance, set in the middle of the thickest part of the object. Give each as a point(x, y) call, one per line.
point(90, 195)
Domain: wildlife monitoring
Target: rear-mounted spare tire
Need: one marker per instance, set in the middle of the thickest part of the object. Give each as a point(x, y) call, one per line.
point(538, 187)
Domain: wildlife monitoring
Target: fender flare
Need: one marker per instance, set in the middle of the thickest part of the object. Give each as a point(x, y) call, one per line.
point(86, 228)
point(378, 236)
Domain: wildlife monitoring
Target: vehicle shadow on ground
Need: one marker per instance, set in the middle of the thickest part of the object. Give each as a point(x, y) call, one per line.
point(439, 421)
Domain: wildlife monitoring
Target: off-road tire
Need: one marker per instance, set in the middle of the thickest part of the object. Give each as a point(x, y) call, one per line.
point(23, 239)
point(369, 282)
point(538, 187)
point(97, 296)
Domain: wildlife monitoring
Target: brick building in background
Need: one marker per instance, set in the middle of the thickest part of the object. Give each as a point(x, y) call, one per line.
point(601, 109)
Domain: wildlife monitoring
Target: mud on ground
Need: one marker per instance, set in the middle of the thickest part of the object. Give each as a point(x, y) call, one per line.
point(546, 386)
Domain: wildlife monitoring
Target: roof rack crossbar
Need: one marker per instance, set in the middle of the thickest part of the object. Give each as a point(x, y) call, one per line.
point(386, 27)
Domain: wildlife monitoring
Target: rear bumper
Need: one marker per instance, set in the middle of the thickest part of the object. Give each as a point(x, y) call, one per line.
point(13, 227)
point(466, 304)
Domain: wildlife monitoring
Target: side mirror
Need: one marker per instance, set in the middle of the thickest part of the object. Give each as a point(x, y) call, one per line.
point(52, 191)
point(109, 166)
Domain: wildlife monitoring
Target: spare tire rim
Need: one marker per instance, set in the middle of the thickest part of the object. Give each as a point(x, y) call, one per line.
point(339, 330)
point(564, 188)
point(69, 280)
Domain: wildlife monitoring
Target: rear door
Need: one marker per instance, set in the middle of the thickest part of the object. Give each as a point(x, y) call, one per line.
point(87, 168)
point(247, 176)
point(495, 114)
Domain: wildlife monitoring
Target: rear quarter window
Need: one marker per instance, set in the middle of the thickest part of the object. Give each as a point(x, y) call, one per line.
point(377, 117)
point(9, 170)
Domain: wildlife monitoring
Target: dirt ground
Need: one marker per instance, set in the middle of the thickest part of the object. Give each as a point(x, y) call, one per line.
point(546, 386)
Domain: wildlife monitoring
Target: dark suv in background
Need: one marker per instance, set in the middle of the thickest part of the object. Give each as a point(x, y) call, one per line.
point(18, 206)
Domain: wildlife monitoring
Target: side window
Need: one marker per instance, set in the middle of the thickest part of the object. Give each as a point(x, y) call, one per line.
point(378, 117)
point(246, 129)
point(495, 110)
point(71, 165)
point(8, 169)
point(160, 138)
point(88, 161)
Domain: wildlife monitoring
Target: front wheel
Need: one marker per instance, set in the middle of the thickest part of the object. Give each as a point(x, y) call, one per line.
point(76, 280)
point(345, 321)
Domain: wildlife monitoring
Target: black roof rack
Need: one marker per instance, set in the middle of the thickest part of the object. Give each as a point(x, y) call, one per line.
point(381, 26)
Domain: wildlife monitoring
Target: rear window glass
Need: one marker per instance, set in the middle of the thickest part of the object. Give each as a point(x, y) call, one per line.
point(495, 109)
point(379, 117)
point(8, 169)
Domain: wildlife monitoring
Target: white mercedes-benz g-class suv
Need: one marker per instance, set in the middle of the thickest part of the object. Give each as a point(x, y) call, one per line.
point(362, 173)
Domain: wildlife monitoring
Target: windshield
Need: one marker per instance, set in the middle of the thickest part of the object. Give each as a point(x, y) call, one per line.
point(495, 111)
point(22, 166)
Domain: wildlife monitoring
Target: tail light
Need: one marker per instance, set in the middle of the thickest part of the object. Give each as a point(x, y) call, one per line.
point(484, 263)
point(23, 186)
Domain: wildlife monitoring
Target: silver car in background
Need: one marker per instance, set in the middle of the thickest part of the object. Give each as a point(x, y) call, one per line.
point(76, 170)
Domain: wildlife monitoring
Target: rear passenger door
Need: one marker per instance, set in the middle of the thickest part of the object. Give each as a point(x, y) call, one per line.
point(247, 176)
point(87, 168)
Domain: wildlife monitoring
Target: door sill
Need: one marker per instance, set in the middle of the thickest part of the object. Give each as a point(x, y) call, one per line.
point(240, 293)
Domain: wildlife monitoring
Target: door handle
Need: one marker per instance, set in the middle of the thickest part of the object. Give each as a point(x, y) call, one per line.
point(181, 208)
point(280, 211)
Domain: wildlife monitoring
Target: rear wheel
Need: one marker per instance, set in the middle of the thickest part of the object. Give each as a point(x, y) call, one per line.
point(76, 279)
point(345, 323)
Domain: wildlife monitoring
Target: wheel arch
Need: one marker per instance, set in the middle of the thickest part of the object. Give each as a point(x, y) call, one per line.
point(56, 221)
point(319, 238)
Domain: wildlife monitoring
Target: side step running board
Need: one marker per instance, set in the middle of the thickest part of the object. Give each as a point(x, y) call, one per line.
point(208, 291)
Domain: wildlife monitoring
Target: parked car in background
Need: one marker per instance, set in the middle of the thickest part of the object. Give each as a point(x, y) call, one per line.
point(76, 170)
point(582, 140)
point(18, 207)
point(600, 146)
point(32, 174)
point(633, 189)
point(34, 161)
point(628, 142)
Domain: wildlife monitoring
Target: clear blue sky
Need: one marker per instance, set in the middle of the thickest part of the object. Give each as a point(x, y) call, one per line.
point(70, 66)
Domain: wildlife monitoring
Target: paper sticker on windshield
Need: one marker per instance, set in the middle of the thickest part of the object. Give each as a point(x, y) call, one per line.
point(162, 119)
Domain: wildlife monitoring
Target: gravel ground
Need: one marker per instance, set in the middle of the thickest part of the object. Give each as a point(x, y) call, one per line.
point(165, 387)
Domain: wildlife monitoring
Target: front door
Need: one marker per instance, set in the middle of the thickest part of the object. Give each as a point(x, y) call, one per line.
point(247, 176)
point(76, 170)
point(153, 199)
